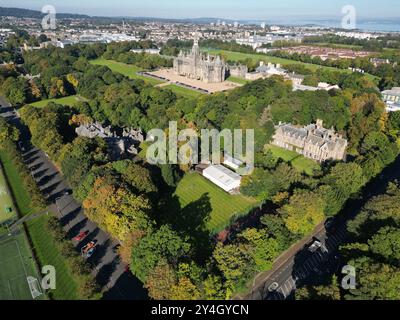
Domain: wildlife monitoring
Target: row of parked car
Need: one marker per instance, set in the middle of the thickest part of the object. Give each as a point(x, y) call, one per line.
point(88, 250)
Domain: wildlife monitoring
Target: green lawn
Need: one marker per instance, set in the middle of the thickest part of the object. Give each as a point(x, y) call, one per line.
point(238, 80)
point(127, 70)
point(48, 254)
point(7, 209)
point(298, 161)
point(67, 101)
point(21, 196)
point(184, 92)
point(220, 207)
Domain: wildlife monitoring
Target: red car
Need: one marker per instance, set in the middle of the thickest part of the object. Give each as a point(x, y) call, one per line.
point(89, 246)
point(81, 236)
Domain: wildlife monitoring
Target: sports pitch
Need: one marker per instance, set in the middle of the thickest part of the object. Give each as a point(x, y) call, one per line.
point(17, 265)
point(7, 208)
point(16, 268)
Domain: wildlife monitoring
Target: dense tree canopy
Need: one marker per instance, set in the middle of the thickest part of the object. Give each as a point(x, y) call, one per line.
point(162, 244)
point(126, 197)
point(373, 250)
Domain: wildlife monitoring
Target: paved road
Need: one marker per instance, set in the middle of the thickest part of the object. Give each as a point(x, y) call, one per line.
point(303, 266)
point(297, 265)
point(107, 267)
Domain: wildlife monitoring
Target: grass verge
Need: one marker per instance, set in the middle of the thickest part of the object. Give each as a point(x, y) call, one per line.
point(48, 254)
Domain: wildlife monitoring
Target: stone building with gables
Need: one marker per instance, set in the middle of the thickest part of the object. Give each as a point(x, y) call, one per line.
point(312, 141)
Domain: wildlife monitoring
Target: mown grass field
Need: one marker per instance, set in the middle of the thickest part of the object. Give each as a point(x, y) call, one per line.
point(66, 101)
point(23, 201)
point(238, 80)
point(16, 258)
point(16, 264)
point(180, 91)
point(48, 254)
point(299, 162)
point(6, 202)
point(131, 71)
point(45, 249)
point(127, 70)
point(222, 206)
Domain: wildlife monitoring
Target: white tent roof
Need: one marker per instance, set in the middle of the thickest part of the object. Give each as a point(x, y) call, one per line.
point(223, 177)
point(232, 162)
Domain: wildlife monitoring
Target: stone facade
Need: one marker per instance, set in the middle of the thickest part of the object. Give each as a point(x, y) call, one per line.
point(195, 65)
point(297, 79)
point(265, 71)
point(119, 146)
point(238, 71)
point(392, 96)
point(312, 141)
point(392, 99)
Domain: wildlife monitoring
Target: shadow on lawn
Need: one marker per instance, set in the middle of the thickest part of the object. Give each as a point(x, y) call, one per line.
point(192, 221)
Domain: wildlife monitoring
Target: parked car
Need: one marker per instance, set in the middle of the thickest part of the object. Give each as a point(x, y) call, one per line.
point(90, 252)
point(87, 247)
point(273, 287)
point(315, 246)
point(329, 224)
point(81, 236)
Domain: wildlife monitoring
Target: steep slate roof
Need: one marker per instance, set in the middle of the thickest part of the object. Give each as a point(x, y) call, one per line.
point(266, 68)
point(312, 135)
point(393, 92)
point(299, 133)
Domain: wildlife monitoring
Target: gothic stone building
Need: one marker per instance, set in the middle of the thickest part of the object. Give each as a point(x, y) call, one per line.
point(195, 65)
point(312, 141)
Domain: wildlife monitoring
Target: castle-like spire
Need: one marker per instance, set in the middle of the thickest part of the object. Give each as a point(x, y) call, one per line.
point(196, 49)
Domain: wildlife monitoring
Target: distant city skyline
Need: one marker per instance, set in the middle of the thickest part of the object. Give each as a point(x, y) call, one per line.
point(224, 9)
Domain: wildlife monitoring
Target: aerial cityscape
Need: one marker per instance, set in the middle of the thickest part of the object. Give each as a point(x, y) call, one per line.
point(172, 151)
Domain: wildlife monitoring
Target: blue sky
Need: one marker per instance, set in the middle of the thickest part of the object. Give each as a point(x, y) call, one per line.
point(229, 9)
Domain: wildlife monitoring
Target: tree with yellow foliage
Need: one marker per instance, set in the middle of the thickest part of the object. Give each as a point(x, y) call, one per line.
point(116, 209)
point(304, 212)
